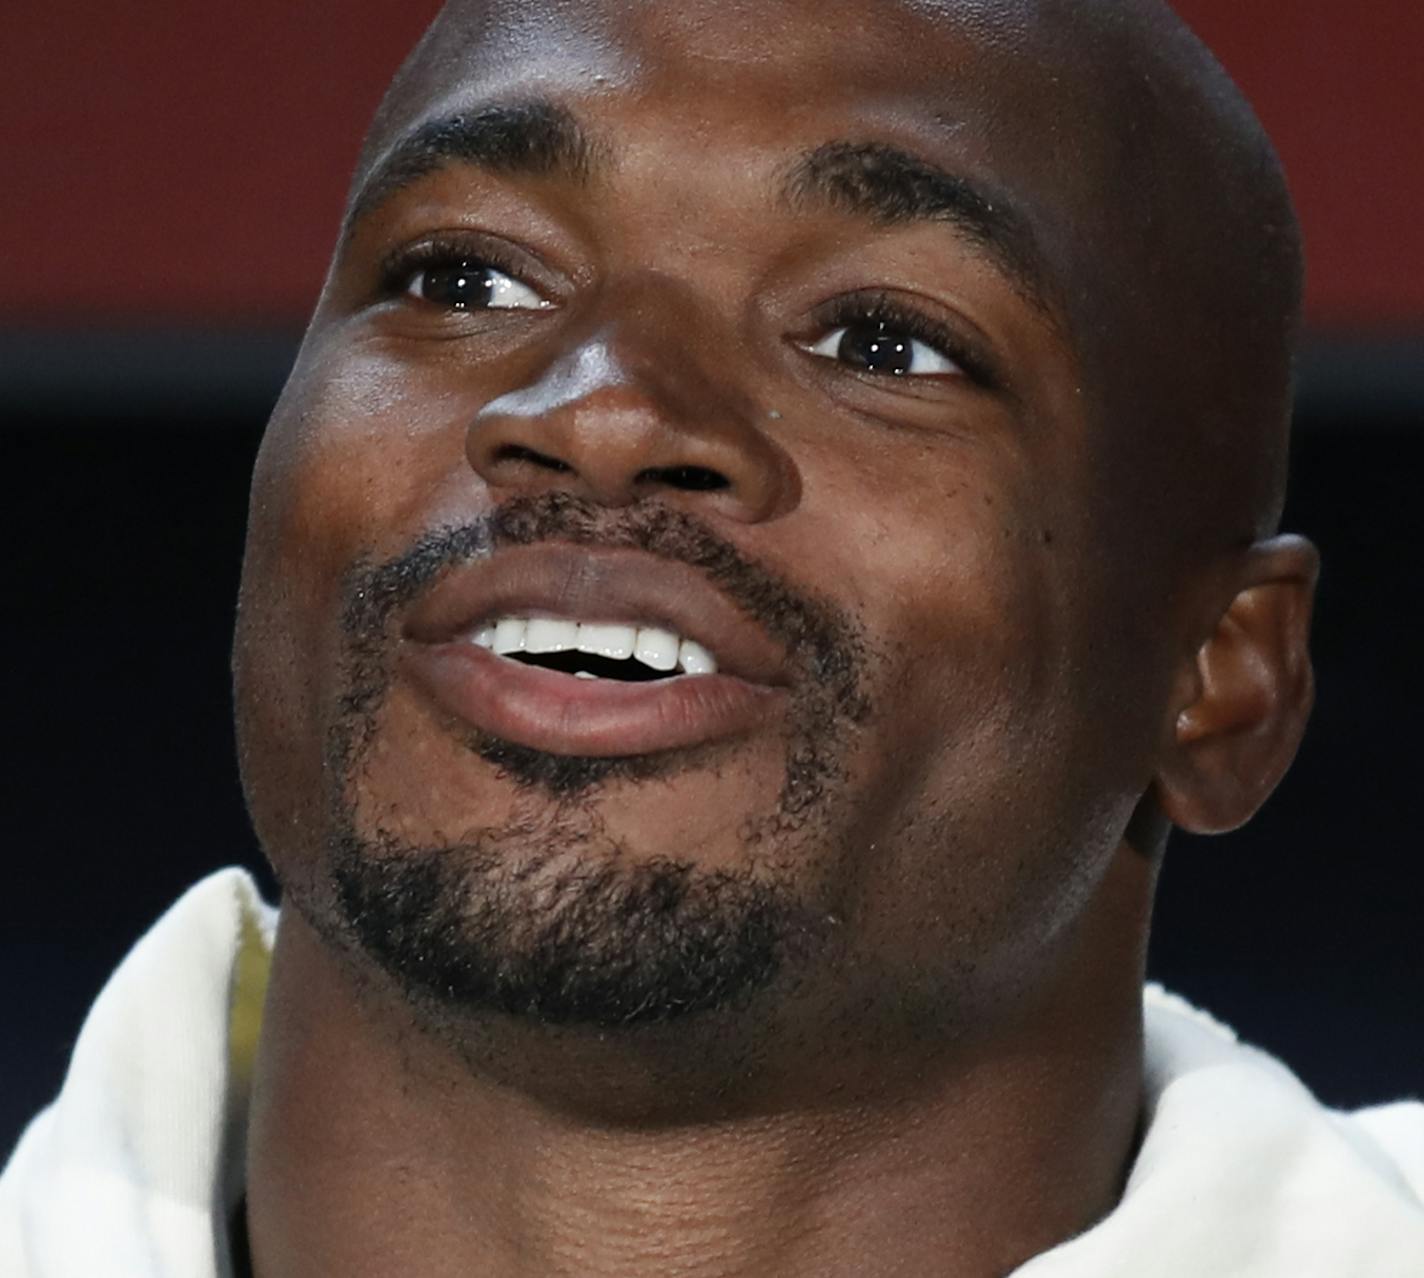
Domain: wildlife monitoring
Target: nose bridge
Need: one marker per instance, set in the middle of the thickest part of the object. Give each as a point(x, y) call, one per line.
point(576, 377)
point(644, 398)
point(674, 345)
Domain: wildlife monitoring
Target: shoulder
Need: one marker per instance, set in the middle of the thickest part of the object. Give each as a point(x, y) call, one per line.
point(1396, 1133)
point(1243, 1173)
point(133, 1147)
point(1192, 1058)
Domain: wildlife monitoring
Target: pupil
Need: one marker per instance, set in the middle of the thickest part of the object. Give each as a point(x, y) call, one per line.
point(465, 286)
point(877, 348)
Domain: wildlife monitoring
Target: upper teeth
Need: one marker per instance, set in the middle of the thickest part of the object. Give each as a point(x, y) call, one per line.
point(660, 649)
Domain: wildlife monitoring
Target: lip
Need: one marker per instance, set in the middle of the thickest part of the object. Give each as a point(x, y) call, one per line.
point(558, 713)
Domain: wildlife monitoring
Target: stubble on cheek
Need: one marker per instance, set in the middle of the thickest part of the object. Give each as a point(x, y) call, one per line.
point(407, 775)
point(611, 906)
point(477, 872)
point(828, 654)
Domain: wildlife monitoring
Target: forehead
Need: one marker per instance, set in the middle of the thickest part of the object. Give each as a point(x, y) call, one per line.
point(983, 85)
point(510, 40)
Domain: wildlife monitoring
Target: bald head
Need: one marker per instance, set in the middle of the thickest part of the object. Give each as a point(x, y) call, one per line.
point(923, 369)
point(1145, 176)
point(1189, 269)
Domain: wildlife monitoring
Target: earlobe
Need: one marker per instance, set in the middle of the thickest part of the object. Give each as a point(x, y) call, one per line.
point(1247, 696)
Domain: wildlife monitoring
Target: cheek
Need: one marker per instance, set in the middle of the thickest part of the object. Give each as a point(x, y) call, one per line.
point(1006, 733)
point(951, 579)
point(970, 762)
point(346, 472)
point(355, 456)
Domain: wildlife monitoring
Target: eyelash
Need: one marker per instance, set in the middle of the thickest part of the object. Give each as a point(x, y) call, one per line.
point(878, 308)
point(854, 308)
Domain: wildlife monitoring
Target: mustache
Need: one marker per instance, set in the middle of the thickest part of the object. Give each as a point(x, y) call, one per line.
point(823, 641)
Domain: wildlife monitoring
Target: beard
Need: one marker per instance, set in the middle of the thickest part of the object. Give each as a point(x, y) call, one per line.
point(548, 918)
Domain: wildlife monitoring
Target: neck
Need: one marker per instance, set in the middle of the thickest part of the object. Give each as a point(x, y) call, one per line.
point(393, 1152)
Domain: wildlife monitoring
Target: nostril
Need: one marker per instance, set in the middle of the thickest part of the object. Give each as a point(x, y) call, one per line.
point(693, 479)
point(519, 453)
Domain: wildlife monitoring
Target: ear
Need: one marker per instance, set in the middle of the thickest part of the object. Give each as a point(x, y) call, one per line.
point(1243, 701)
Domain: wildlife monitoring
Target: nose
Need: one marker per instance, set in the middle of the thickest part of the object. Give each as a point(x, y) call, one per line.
point(629, 411)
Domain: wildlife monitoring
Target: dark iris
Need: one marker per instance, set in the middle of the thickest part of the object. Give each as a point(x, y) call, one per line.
point(466, 286)
point(877, 348)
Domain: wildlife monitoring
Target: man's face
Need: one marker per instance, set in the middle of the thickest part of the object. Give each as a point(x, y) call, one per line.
point(745, 327)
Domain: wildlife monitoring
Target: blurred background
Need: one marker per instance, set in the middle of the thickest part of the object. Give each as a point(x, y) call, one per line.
point(173, 174)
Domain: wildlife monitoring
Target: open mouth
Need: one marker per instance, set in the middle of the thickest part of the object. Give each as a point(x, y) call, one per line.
point(571, 651)
point(595, 650)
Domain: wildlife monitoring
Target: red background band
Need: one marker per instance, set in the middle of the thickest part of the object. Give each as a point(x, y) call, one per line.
point(182, 161)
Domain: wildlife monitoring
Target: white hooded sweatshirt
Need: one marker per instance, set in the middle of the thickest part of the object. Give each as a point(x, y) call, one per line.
point(136, 1170)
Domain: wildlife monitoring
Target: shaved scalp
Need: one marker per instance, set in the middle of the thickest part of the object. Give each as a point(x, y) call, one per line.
point(1160, 190)
point(1185, 296)
point(1193, 344)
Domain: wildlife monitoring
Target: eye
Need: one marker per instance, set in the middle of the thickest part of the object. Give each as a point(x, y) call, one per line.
point(882, 346)
point(471, 285)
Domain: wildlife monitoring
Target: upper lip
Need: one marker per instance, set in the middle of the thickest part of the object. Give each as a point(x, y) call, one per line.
point(581, 583)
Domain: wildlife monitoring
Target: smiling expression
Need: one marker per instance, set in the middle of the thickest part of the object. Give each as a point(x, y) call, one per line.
point(775, 353)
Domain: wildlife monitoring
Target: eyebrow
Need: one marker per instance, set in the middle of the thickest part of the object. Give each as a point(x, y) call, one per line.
point(869, 180)
point(533, 139)
point(890, 186)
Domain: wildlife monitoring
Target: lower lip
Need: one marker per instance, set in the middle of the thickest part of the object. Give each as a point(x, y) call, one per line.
point(562, 714)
